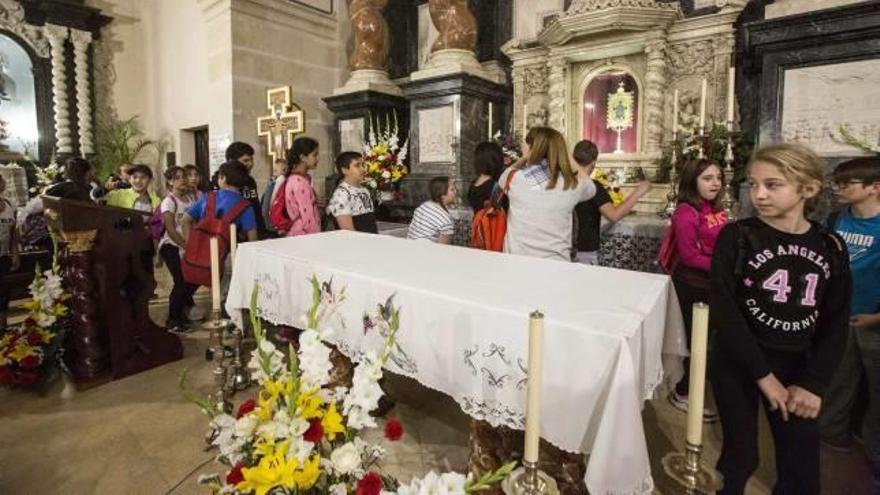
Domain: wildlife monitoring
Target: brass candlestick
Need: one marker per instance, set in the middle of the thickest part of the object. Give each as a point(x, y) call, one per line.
point(217, 353)
point(672, 195)
point(701, 153)
point(686, 469)
point(241, 379)
point(729, 201)
point(529, 480)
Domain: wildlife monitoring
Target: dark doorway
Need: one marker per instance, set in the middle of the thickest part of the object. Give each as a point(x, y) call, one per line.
point(200, 140)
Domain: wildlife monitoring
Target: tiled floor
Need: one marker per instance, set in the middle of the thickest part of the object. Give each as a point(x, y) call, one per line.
point(140, 436)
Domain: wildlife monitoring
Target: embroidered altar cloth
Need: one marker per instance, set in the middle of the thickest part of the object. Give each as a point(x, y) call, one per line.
point(464, 331)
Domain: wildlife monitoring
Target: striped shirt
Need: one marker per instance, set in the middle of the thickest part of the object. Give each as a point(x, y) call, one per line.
point(429, 221)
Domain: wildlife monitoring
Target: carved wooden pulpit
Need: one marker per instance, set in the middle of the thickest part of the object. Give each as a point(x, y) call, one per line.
point(284, 122)
point(105, 256)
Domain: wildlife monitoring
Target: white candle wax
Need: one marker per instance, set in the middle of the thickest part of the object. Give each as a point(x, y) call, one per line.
point(525, 125)
point(533, 406)
point(731, 92)
point(703, 106)
point(697, 385)
point(489, 130)
point(233, 242)
point(215, 275)
point(675, 112)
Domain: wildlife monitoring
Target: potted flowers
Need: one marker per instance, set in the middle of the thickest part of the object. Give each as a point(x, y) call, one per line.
point(384, 159)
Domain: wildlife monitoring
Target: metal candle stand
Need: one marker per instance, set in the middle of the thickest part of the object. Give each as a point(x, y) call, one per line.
point(230, 375)
point(529, 480)
point(672, 195)
point(729, 201)
point(686, 469)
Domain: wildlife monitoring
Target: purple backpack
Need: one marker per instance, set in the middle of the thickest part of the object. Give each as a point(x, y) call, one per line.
point(156, 224)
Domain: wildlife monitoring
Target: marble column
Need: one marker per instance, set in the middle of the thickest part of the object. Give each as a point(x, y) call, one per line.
point(556, 78)
point(81, 42)
point(453, 52)
point(655, 83)
point(57, 36)
point(369, 59)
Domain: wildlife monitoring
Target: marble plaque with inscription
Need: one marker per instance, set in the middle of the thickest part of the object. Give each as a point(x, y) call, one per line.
point(351, 135)
point(818, 100)
point(437, 135)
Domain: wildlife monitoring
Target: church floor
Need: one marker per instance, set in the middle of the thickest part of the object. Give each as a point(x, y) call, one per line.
point(138, 435)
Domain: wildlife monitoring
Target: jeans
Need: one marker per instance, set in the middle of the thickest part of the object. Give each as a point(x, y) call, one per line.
point(861, 360)
point(796, 441)
point(182, 292)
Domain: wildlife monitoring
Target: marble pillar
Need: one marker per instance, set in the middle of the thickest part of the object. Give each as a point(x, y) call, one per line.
point(369, 59)
point(453, 51)
point(81, 42)
point(655, 84)
point(57, 36)
point(557, 107)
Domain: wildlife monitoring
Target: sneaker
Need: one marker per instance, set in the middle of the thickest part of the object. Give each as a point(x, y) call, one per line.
point(178, 328)
point(193, 313)
point(680, 402)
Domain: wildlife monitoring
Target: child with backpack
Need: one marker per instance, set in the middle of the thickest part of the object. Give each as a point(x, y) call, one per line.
point(173, 209)
point(279, 171)
point(351, 206)
point(588, 214)
point(431, 220)
point(194, 180)
point(692, 233)
point(294, 209)
point(211, 216)
point(856, 184)
point(780, 291)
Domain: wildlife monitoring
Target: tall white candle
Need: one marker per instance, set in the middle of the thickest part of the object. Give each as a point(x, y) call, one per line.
point(233, 242)
point(215, 275)
point(533, 407)
point(489, 130)
point(675, 112)
point(525, 125)
point(697, 385)
point(731, 91)
point(703, 106)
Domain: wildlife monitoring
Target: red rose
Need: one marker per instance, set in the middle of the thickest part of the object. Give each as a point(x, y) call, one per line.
point(34, 339)
point(315, 432)
point(29, 362)
point(371, 484)
point(6, 376)
point(393, 430)
point(234, 476)
point(27, 378)
point(245, 407)
point(30, 322)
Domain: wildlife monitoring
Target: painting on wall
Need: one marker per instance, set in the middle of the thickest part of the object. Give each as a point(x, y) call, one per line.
point(323, 6)
point(818, 100)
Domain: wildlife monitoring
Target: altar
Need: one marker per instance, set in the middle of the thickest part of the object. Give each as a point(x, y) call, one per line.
point(464, 317)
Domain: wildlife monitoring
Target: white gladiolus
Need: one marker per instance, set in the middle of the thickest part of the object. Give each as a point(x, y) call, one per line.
point(314, 358)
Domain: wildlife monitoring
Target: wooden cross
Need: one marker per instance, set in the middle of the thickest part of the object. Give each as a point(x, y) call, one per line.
point(284, 121)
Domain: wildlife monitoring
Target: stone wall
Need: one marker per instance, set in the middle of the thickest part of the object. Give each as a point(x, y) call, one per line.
point(781, 8)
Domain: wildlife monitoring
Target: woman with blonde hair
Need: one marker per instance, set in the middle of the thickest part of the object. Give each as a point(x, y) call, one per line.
point(543, 193)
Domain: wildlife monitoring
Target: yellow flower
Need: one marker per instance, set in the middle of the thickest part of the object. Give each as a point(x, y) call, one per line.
point(22, 350)
point(273, 470)
point(265, 445)
point(308, 405)
point(306, 478)
point(278, 387)
point(265, 407)
point(45, 336)
point(332, 422)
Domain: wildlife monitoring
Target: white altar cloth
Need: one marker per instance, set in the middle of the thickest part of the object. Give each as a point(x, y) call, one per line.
point(464, 331)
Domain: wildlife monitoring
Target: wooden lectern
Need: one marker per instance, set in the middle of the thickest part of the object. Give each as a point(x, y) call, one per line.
point(105, 255)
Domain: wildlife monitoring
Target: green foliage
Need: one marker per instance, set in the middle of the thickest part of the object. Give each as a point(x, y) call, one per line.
point(488, 480)
point(714, 146)
point(119, 142)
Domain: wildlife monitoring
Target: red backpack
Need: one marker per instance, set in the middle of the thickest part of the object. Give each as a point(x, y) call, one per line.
point(667, 257)
point(196, 263)
point(278, 215)
point(490, 222)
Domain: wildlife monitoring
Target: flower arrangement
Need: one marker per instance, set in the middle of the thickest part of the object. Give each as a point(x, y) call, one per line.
point(509, 148)
point(26, 351)
point(299, 435)
point(610, 180)
point(47, 176)
point(384, 157)
point(714, 145)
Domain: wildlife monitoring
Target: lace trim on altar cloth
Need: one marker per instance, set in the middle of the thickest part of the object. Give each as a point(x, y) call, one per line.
point(645, 487)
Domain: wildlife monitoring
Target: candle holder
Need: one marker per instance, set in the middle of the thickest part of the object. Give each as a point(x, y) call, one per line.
point(241, 378)
point(529, 480)
point(729, 201)
point(701, 152)
point(217, 353)
point(689, 472)
point(672, 195)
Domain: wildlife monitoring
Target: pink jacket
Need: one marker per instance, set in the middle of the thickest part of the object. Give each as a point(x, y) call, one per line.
point(696, 233)
point(302, 205)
